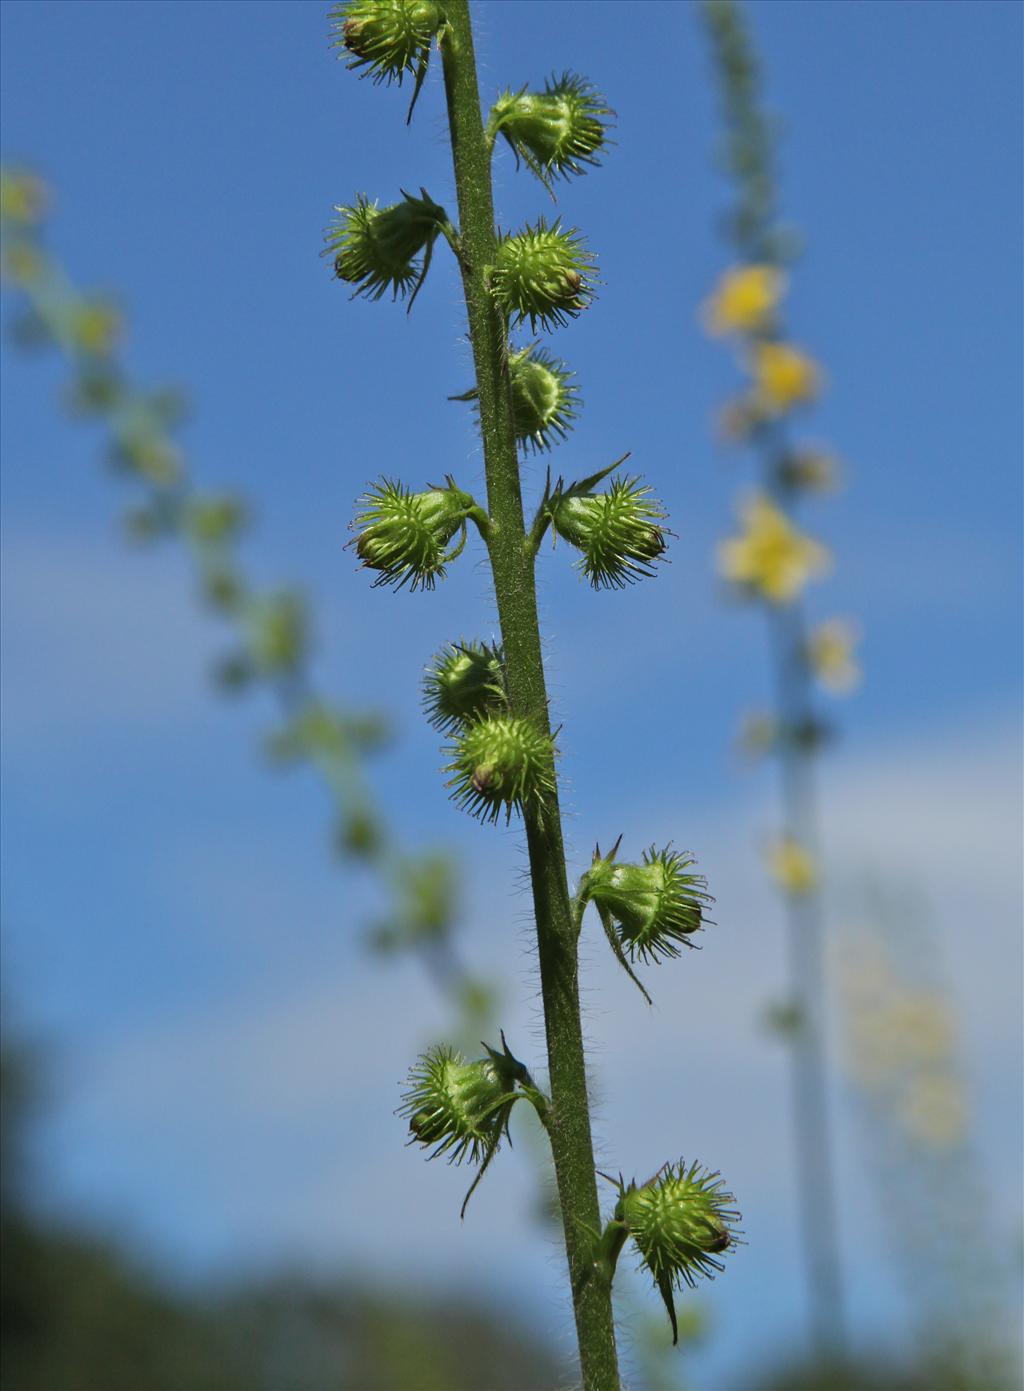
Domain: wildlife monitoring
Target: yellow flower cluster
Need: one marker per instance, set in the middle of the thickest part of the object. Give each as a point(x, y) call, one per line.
point(783, 377)
point(93, 327)
point(744, 303)
point(792, 866)
point(23, 197)
point(830, 654)
point(770, 555)
point(744, 300)
point(900, 1046)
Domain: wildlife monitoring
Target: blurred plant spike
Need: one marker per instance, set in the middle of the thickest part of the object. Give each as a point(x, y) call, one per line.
point(771, 561)
point(272, 628)
point(903, 1057)
point(491, 700)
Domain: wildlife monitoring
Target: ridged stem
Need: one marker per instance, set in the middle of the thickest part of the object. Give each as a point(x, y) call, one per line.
point(512, 565)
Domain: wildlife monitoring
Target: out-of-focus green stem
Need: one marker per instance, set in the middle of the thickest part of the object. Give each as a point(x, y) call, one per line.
point(808, 992)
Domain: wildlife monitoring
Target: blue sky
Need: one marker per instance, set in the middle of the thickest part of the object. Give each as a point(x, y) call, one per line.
point(174, 925)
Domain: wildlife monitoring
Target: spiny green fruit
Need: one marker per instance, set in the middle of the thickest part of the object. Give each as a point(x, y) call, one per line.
point(388, 37)
point(465, 681)
point(556, 131)
point(681, 1220)
point(544, 397)
point(405, 535)
point(655, 906)
point(375, 249)
point(542, 274)
point(618, 531)
point(499, 764)
point(459, 1107)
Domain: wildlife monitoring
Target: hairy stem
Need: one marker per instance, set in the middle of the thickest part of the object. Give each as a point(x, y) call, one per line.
point(512, 565)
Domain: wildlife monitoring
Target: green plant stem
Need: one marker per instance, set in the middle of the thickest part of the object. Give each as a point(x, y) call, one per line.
point(808, 991)
point(512, 565)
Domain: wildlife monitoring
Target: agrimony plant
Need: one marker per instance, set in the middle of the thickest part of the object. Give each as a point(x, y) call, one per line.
point(490, 701)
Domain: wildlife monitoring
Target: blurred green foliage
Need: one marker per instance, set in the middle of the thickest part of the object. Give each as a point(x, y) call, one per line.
point(273, 633)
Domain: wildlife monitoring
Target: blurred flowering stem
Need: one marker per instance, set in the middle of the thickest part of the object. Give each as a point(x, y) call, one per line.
point(512, 564)
point(771, 561)
point(808, 992)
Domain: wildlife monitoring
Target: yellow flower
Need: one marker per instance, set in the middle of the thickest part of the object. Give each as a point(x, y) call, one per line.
point(771, 555)
point(93, 326)
point(744, 300)
point(792, 866)
point(784, 377)
point(921, 1027)
point(830, 655)
point(23, 197)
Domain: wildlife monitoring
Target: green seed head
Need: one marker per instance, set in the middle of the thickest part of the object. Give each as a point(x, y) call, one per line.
point(499, 764)
point(405, 535)
point(618, 531)
point(681, 1221)
point(458, 1107)
point(544, 398)
point(655, 905)
point(542, 274)
point(387, 37)
point(465, 682)
point(556, 131)
point(375, 249)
